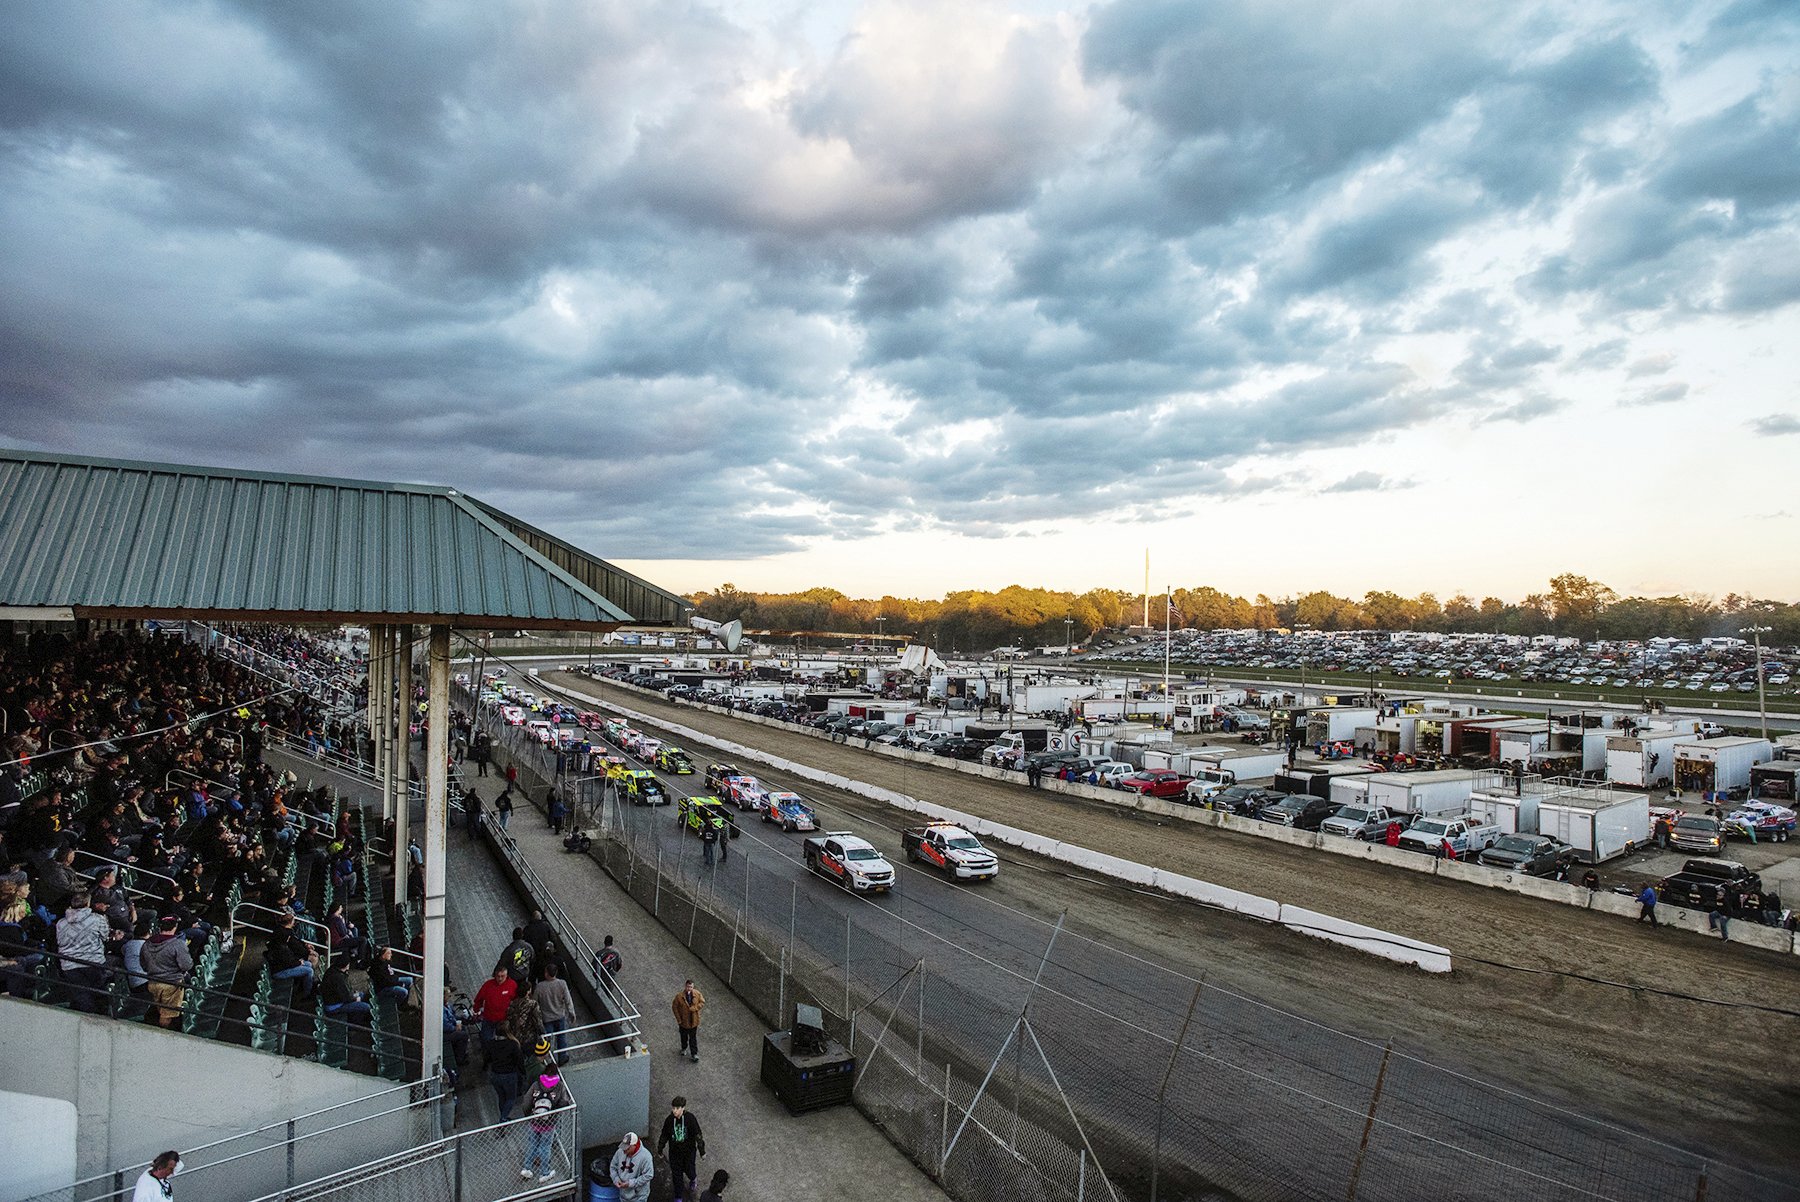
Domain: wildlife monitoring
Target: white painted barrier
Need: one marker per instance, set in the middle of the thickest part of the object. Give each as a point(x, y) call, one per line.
point(1368, 939)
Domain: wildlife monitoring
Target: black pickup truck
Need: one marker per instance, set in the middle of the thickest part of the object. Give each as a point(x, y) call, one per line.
point(1700, 881)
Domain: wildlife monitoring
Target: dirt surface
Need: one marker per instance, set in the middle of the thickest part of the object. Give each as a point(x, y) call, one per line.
point(1670, 1047)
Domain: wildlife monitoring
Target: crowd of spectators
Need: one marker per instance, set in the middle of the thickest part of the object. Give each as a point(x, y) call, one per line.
point(141, 755)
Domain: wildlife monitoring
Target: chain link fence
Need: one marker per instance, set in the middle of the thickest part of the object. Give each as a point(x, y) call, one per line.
point(1122, 1078)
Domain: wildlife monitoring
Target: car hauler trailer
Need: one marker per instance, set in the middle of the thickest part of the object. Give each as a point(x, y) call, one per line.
point(1596, 821)
point(1717, 765)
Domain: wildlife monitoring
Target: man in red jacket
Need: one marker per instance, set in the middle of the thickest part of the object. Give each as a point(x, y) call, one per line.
point(492, 1001)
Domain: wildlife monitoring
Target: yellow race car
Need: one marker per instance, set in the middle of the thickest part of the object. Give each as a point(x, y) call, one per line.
point(671, 758)
point(691, 812)
point(641, 788)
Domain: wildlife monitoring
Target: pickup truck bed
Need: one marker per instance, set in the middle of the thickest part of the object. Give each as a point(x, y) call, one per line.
point(1700, 881)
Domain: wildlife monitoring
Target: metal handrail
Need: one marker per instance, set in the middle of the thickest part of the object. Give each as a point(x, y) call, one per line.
point(323, 949)
point(205, 780)
point(122, 867)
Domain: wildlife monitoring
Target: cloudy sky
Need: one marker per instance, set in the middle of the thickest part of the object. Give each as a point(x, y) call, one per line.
point(903, 297)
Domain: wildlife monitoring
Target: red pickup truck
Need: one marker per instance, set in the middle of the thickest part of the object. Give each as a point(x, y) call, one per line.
point(1156, 782)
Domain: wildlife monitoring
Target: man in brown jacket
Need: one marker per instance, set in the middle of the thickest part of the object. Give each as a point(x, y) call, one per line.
point(687, 1006)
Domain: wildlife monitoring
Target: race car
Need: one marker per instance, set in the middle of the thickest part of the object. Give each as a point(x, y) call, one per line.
point(1760, 821)
point(512, 715)
point(671, 758)
point(746, 792)
point(590, 720)
point(642, 788)
point(718, 774)
point(789, 809)
point(691, 812)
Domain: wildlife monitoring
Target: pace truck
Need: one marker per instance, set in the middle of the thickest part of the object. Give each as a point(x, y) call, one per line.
point(852, 862)
point(951, 848)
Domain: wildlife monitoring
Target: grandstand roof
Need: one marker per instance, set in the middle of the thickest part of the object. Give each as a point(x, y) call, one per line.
point(110, 538)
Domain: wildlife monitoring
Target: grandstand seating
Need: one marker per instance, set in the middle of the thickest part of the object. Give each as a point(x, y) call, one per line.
point(177, 733)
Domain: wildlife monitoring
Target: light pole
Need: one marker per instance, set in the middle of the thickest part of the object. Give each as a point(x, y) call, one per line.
point(1762, 705)
point(1068, 637)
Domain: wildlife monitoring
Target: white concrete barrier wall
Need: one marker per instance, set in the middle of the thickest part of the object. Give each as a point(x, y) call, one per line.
point(1368, 939)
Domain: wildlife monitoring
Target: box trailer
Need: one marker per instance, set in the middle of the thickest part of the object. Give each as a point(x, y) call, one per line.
point(1117, 709)
point(1350, 790)
point(1645, 760)
point(1332, 723)
point(1717, 765)
point(1515, 813)
point(1244, 763)
point(1598, 823)
point(1778, 780)
point(1426, 793)
point(1053, 698)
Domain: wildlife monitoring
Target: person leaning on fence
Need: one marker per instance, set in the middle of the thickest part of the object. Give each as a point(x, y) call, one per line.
point(546, 1096)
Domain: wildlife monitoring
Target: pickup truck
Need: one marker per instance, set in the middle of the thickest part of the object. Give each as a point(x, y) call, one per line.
point(951, 848)
point(1529, 855)
point(1361, 821)
point(1157, 782)
point(1206, 782)
point(852, 862)
point(1697, 832)
point(1298, 811)
point(1456, 835)
point(1699, 881)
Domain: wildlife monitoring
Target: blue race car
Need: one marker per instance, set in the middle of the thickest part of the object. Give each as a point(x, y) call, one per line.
point(791, 811)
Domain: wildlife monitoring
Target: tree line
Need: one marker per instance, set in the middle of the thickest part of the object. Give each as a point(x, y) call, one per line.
point(973, 619)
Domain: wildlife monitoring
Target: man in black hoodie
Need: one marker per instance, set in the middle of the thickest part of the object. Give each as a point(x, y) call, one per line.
point(681, 1136)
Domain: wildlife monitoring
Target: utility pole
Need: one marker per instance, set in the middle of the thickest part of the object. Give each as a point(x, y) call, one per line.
point(1762, 704)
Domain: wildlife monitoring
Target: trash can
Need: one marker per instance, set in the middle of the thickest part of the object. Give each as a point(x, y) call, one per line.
point(600, 1186)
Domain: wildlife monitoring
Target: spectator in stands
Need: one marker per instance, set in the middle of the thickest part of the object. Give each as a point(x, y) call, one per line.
point(456, 1038)
point(290, 959)
point(683, 1144)
point(346, 880)
point(153, 1184)
point(131, 954)
point(543, 1100)
point(493, 1001)
point(632, 1170)
point(347, 940)
point(82, 936)
point(386, 981)
point(504, 1064)
point(57, 879)
point(556, 1007)
point(340, 1001)
point(167, 962)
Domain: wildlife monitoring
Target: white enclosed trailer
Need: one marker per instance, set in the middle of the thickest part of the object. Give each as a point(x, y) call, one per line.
point(1718, 764)
point(1446, 791)
point(1645, 760)
point(1597, 822)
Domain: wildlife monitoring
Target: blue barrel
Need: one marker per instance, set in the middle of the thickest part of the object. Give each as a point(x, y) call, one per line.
point(602, 1193)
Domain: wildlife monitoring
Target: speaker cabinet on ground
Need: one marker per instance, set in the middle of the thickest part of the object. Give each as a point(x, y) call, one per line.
point(807, 1081)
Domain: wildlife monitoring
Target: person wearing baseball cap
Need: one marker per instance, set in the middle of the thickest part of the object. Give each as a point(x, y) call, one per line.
point(632, 1169)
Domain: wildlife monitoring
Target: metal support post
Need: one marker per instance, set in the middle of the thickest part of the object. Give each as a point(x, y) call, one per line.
point(846, 966)
point(921, 1027)
point(290, 1153)
point(1362, 1149)
point(381, 723)
point(656, 898)
point(402, 793)
point(437, 814)
point(944, 1127)
point(1163, 1090)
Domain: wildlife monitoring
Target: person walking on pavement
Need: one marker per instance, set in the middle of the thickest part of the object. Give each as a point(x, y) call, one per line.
point(609, 958)
point(1647, 904)
point(546, 1096)
point(503, 805)
point(515, 959)
point(687, 1007)
point(709, 840)
point(556, 1006)
point(715, 1190)
point(153, 1183)
point(493, 1001)
point(724, 833)
point(472, 811)
point(632, 1170)
point(505, 1061)
point(682, 1142)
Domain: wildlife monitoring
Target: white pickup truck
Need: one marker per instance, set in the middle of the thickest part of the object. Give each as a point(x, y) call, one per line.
point(1206, 782)
point(1360, 820)
point(1459, 836)
point(852, 862)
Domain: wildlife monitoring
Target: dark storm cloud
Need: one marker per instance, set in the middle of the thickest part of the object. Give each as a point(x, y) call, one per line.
point(655, 279)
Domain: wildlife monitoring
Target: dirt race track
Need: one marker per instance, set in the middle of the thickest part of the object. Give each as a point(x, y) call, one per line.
point(1662, 1034)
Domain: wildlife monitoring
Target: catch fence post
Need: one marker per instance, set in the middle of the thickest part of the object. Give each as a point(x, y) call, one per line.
point(656, 899)
point(846, 966)
point(944, 1129)
point(1362, 1149)
point(290, 1153)
point(1081, 1178)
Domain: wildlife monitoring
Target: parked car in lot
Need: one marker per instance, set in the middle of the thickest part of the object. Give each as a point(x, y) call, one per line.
point(1246, 801)
point(1359, 820)
point(1533, 855)
point(1697, 832)
point(1301, 811)
point(1700, 881)
point(959, 747)
point(1458, 836)
point(1156, 782)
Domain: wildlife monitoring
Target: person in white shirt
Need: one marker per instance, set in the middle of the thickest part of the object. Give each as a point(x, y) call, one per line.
point(153, 1185)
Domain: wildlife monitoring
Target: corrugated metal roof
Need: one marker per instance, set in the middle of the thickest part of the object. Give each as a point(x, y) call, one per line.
point(635, 595)
point(121, 538)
